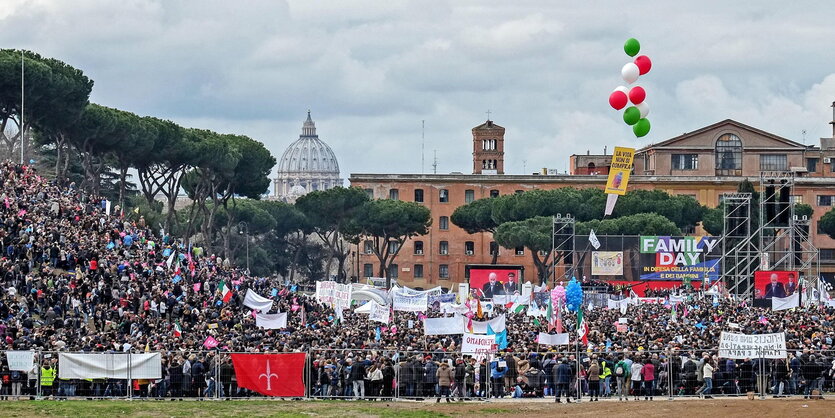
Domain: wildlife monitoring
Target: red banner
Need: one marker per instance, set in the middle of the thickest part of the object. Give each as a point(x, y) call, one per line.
point(271, 374)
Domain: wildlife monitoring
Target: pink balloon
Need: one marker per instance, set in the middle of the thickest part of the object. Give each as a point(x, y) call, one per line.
point(617, 100)
point(643, 63)
point(637, 94)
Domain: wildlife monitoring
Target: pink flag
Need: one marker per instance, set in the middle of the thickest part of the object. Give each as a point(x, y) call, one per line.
point(394, 330)
point(253, 313)
point(210, 342)
point(22, 212)
point(6, 199)
point(196, 287)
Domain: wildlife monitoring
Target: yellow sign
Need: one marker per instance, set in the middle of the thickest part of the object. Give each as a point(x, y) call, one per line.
point(620, 170)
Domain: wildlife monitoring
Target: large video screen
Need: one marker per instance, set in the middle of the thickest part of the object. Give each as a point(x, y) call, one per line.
point(488, 281)
point(774, 284)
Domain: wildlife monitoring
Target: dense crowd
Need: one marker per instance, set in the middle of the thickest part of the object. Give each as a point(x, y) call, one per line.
point(76, 278)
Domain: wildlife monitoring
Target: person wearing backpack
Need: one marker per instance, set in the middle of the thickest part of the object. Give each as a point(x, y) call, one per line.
point(622, 375)
point(498, 368)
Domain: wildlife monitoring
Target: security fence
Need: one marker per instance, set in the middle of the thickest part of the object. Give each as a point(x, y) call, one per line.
point(425, 375)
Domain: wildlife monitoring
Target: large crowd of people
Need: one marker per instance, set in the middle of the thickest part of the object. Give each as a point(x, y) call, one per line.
point(76, 278)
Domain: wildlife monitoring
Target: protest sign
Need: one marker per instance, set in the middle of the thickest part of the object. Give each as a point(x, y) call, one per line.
point(436, 301)
point(334, 294)
point(442, 326)
point(21, 361)
point(379, 313)
point(409, 303)
point(478, 345)
point(497, 324)
point(741, 346)
point(556, 339)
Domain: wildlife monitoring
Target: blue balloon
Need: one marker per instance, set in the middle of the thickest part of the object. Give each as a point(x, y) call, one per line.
point(573, 295)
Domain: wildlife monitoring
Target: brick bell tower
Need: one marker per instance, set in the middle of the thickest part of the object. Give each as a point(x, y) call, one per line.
point(488, 148)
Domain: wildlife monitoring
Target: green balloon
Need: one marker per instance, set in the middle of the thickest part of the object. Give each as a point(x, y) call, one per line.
point(641, 128)
point(632, 47)
point(631, 115)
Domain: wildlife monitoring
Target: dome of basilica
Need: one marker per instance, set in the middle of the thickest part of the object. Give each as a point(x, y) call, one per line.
point(307, 164)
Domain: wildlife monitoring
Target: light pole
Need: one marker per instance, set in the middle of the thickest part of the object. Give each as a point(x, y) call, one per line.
point(243, 229)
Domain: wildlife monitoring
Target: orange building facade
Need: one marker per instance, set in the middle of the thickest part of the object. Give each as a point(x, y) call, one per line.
point(703, 164)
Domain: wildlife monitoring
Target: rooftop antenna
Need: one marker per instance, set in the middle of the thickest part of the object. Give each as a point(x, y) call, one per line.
point(803, 132)
point(422, 143)
point(524, 166)
point(435, 163)
point(488, 114)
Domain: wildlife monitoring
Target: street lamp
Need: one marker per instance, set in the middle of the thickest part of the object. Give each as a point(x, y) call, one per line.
point(243, 229)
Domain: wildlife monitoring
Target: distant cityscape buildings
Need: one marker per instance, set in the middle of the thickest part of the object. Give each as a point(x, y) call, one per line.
point(306, 165)
point(704, 164)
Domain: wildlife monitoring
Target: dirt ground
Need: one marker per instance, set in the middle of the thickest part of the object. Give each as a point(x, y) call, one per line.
point(659, 408)
point(714, 408)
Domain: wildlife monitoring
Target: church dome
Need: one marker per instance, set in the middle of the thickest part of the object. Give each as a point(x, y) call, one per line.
point(308, 164)
point(308, 154)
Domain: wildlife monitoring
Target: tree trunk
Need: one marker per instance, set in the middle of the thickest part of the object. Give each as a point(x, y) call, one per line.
point(123, 176)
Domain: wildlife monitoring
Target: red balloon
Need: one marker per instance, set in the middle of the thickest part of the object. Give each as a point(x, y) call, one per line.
point(618, 99)
point(637, 95)
point(644, 64)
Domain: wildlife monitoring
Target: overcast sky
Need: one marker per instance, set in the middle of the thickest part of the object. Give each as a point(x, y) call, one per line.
point(370, 71)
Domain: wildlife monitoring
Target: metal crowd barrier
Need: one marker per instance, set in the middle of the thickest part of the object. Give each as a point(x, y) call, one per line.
point(413, 375)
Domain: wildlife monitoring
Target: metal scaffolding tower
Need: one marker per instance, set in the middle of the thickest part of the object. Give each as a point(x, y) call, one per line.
point(739, 252)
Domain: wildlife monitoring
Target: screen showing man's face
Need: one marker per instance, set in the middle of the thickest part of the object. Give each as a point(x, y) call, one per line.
point(492, 278)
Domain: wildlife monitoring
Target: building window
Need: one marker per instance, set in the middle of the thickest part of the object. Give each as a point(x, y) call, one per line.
point(393, 271)
point(685, 161)
point(418, 247)
point(370, 193)
point(444, 248)
point(443, 223)
point(469, 196)
point(728, 155)
point(368, 270)
point(494, 248)
point(469, 248)
point(774, 162)
point(825, 200)
point(812, 165)
point(418, 271)
point(443, 196)
point(394, 194)
point(443, 271)
point(797, 199)
point(368, 247)
point(520, 250)
point(494, 193)
point(394, 246)
point(419, 195)
point(827, 253)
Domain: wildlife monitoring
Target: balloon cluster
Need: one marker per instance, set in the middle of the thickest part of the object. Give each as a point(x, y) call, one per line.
point(558, 296)
point(573, 295)
point(636, 114)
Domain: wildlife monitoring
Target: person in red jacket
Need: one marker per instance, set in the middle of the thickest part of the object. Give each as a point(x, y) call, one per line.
point(648, 374)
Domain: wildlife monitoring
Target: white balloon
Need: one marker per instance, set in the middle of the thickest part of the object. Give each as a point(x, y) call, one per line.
point(643, 107)
point(625, 90)
point(630, 73)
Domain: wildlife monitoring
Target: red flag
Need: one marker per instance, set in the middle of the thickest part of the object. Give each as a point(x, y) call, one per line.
point(271, 374)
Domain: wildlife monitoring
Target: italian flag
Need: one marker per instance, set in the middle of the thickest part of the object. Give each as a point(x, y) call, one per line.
point(582, 328)
point(177, 330)
point(225, 292)
point(517, 307)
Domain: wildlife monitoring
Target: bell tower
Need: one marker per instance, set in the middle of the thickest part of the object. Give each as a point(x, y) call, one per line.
point(488, 148)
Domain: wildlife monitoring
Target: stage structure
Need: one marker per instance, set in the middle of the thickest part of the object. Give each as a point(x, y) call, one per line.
point(563, 241)
point(781, 241)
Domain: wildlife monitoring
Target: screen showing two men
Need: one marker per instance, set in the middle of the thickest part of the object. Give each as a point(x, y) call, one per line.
point(774, 284)
point(486, 283)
